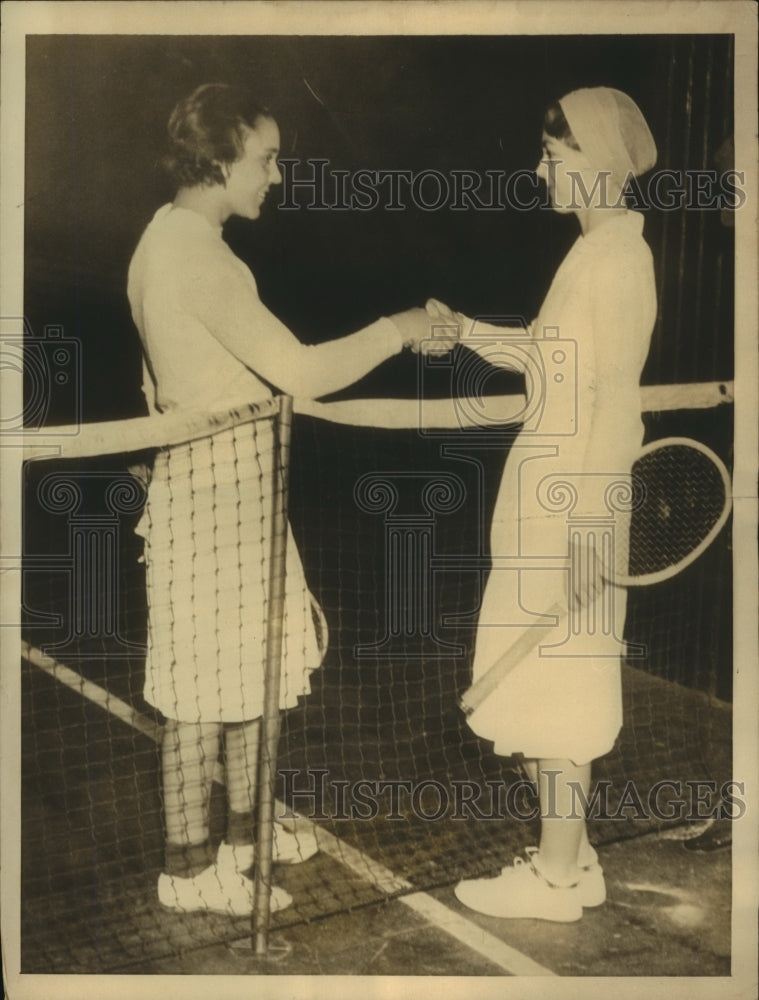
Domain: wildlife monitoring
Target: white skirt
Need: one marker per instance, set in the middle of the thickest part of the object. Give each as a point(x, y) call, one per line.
point(564, 699)
point(207, 531)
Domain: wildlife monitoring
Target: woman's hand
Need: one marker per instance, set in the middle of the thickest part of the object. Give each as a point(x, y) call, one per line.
point(416, 329)
point(438, 310)
point(586, 582)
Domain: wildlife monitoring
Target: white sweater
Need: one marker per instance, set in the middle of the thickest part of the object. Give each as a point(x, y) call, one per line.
point(207, 337)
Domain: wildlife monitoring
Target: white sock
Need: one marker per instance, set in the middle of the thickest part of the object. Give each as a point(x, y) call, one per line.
point(557, 883)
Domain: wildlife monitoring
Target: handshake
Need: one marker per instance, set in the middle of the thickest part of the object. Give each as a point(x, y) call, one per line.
point(436, 329)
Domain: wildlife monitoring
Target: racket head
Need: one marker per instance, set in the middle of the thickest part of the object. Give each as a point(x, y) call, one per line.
point(321, 629)
point(680, 501)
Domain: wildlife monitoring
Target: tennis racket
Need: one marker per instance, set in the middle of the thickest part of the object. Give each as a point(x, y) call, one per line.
point(321, 629)
point(680, 501)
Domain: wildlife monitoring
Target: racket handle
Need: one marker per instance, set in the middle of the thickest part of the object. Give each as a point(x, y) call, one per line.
point(474, 696)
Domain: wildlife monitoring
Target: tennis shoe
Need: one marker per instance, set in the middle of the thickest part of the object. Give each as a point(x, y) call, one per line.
point(592, 885)
point(521, 891)
point(235, 857)
point(217, 890)
point(591, 882)
point(288, 849)
point(293, 848)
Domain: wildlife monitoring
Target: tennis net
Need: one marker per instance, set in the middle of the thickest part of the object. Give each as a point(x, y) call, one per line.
point(389, 505)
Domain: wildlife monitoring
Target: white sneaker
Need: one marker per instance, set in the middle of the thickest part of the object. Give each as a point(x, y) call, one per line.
point(235, 857)
point(591, 882)
point(288, 849)
point(293, 848)
point(521, 891)
point(592, 885)
point(217, 889)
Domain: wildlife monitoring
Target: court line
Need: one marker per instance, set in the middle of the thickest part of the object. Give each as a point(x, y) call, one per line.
point(440, 916)
point(92, 692)
point(458, 926)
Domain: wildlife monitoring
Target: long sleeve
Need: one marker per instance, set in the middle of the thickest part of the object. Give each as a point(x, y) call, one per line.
point(225, 299)
point(623, 315)
point(504, 347)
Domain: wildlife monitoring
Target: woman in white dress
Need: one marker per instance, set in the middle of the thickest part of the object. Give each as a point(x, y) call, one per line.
point(561, 706)
point(210, 344)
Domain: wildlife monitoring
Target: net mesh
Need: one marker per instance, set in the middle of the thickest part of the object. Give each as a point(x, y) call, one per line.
point(391, 528)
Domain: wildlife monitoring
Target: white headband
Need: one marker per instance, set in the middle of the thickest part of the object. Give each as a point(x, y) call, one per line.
point(610, 130)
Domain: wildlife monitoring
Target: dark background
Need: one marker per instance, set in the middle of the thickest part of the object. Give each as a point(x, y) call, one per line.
point(96, 115)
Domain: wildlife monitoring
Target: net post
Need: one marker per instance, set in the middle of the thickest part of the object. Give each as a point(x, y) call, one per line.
point(270, 720)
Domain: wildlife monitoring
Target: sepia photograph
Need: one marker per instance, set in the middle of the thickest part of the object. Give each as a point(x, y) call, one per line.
point(379, 499)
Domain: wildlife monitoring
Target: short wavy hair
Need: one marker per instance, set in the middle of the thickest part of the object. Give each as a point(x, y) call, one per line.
point(208, 129)
point(556, 125)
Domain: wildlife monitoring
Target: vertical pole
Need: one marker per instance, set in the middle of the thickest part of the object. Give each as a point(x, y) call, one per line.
point(270, 720)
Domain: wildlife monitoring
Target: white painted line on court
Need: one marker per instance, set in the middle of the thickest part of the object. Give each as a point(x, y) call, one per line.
point(359, 863)
point(92, 692)
point(99, 696)
point(473, 936)
point(440, 916)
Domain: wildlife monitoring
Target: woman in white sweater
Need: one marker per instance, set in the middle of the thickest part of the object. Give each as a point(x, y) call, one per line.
point(561, 706)
point(209, 344)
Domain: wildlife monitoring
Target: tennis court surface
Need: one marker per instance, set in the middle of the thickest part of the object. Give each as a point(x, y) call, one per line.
point(90, 905)
point(404, 799)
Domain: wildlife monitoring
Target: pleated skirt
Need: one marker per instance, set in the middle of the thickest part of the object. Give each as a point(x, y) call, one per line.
point(207, 547)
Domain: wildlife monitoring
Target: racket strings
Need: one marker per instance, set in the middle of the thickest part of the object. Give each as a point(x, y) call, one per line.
point(683, 501)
